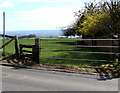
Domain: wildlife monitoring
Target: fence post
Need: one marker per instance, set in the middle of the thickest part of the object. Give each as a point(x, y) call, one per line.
point(37, 60)
point(119, 48)
point(16, 46)
point(116, 50)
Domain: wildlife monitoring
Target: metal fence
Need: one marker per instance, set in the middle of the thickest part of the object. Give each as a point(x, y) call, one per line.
point(78, 51)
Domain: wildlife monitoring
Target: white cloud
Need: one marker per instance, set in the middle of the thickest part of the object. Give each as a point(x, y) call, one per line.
point(20, 0)
point(47, 1)
point(25, 0)
point(6, 4)
point(69, 1)
point(50, 17)
point(63, 1)
point(28, 0)
point(1, 12)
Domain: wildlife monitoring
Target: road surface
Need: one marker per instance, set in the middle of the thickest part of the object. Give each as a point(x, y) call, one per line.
point(19, 79)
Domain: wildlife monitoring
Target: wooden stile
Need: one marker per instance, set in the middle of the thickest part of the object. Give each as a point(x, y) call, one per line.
point(34, 54)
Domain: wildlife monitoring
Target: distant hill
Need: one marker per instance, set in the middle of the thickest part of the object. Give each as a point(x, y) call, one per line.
point(27, 36)
point(38, 33)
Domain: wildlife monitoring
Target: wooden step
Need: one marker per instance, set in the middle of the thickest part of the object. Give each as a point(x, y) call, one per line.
point(27, 45)
point(27, 51)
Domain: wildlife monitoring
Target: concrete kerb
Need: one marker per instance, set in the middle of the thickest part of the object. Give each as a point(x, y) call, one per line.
point(46, 69)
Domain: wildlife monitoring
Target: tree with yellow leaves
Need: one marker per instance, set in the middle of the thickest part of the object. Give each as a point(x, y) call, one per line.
point(98, 20)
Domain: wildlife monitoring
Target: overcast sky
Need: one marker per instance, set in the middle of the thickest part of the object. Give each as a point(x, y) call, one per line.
point(38, 14)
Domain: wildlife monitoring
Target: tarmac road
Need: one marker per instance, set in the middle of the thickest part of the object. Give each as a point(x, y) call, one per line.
point(19, 79)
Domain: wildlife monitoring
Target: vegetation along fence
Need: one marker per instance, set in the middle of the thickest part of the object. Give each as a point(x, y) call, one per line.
point(76, 52)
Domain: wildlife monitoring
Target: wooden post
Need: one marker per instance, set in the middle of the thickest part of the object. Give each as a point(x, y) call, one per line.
point(16, 46)
point(116, 49)
point(37, 59)
point(21, 52)
point(21, 49)
point(119, 48)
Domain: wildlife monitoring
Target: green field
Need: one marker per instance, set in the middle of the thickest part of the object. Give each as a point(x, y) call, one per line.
point(45, 52)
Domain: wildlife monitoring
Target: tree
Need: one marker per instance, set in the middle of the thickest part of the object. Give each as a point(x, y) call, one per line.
point(114, 16)
point(97, 20)
point(70, 30)
point(94, 25)
point(103, 20)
